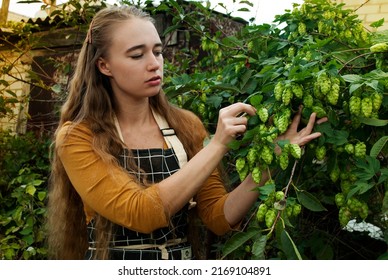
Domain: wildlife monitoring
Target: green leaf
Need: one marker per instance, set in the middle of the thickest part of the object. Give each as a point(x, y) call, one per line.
point(238, 240)
point(255, 100)
point(351, 78)
point(367, 168)
point(258, 247)
point(30, 189)
point(354, 87)
point(378, 146)
point(309, 201)
point(378, 23)
point(214, 100)
point(41, 196)
point(373, 122)
point(37, 182)
point(289, 247)
point(337, 137)
point(383, 175)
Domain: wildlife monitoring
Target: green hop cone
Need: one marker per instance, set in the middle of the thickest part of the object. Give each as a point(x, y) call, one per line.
point(261, 211)
point(353, 204)
point(349, 148)
point(202, 110)
point(296, 209)
point(270, 217)
point(283, 161)
point(324, 83)
point(267, 154)
point(281, 122)
point(360, 150)
point(346, 186)
point(317, 91)
point(333, 95)
point(289, 211)
point(301, 28)
point(278, 91)
point(256, 174)
point(308, 101)
point(270, 200)
point(340, 199)
point(319, 111)
point(240, 164)
point(287, 95)
point(252, 156)
point(291, 52)
point(335, 173)
point(379, 47)
point(263, 114)
point(297, 90)
point(295, 151)
point(242, 168)
point(366, 107)
point(344, 216)
point(320, 152)
point(377, 100)
point(355, 105)
point(279, 195)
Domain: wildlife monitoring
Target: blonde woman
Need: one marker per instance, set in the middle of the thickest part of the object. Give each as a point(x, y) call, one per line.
point(128, 165)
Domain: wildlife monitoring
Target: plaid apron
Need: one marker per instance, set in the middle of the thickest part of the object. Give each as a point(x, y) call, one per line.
point(164, 243)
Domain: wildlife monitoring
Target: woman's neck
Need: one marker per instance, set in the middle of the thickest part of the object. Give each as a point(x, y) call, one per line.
point(138, 126)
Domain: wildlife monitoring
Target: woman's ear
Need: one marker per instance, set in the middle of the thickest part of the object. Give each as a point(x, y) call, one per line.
point(103, 66)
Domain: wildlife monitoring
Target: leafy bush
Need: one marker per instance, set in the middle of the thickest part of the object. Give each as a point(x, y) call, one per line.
point(319, 56)
point(23, 191)
point(322, 58)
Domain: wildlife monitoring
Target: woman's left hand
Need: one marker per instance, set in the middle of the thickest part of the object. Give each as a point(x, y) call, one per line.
point(303, 136)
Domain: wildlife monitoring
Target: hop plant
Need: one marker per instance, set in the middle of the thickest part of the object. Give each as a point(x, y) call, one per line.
point(355, 105)
point(366, 107)
point(377, 100)
point(263, 114)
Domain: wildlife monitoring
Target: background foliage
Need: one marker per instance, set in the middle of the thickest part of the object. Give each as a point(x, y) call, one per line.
point(317, 55)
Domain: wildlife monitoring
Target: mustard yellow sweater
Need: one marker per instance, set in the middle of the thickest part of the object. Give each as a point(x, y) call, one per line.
point(110, 191)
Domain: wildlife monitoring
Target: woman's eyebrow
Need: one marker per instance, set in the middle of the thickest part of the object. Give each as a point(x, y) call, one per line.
point(142, 46)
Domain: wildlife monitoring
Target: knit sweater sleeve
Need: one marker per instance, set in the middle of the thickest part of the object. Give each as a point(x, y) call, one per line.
point(107, 189)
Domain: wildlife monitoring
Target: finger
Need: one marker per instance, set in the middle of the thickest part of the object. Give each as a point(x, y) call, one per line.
point(322, 120)
point(310, 124)
point(296, 120)
point(310, 137)
point(240, 108)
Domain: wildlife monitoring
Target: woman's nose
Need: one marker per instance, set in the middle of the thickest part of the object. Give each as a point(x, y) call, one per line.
point(154, 62)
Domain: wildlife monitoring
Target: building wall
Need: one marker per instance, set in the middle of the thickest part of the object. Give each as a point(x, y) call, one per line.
point(369, 11)
point(16, 17)
point(17, 120)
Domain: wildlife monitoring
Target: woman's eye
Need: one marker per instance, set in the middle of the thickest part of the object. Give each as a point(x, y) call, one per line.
point(158, 53)
point(136, 56)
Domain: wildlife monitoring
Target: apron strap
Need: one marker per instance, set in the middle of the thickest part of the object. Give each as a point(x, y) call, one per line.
point(171, 139)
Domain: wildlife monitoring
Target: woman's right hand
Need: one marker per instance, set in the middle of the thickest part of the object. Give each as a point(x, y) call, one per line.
point(232, 122)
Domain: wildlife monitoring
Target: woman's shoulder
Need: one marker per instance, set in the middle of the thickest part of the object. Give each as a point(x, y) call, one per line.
point(71, 129)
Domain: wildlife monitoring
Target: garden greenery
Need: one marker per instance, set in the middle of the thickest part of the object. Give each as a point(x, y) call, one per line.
point(317, 55)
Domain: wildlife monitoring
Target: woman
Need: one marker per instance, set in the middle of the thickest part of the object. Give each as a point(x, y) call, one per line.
point(127, 165)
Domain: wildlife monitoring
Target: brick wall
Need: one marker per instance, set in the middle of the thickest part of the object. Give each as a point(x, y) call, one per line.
point(369, 11)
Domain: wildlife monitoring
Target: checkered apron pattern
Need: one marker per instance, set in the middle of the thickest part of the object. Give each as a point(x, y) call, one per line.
point(164, 243)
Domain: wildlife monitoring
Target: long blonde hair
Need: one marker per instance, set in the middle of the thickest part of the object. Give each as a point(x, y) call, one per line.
point(90, 101)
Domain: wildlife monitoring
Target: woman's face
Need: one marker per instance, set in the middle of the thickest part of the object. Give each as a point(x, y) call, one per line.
point(134, 62)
